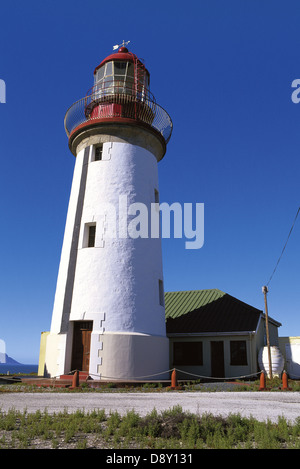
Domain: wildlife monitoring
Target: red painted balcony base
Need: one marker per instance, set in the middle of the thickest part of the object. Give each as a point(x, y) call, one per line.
point(136, 108)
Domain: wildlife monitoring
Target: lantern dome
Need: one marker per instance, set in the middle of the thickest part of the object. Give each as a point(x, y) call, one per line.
point(123, 54)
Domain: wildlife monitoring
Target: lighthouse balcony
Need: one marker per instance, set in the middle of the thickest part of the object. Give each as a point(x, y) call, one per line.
point(117, 103)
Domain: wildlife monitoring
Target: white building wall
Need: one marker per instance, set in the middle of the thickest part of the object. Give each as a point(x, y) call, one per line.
point(119, 277)
point(115, 283)
point(66, 257)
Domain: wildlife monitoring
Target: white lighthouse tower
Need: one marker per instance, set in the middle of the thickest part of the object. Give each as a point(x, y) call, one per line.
point(108, 316)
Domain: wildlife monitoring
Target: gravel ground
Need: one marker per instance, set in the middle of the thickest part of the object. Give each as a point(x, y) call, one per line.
point(260, 405)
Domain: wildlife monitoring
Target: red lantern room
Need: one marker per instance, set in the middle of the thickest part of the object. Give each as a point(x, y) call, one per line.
point(121, 89)
point(120, 94)
point(122, 72)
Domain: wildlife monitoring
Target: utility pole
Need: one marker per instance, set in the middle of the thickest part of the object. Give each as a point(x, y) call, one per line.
point(265, 291)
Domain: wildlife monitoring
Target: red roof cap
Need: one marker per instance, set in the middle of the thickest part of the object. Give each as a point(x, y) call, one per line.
point(122, 54)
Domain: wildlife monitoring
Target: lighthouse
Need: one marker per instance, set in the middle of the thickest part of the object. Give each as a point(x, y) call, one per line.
point(108, 315)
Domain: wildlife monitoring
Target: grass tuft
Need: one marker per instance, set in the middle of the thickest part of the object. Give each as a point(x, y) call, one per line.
point(170, 429)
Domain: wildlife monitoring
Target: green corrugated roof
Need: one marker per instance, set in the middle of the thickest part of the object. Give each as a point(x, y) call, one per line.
point(201, 311)
point(181, 302)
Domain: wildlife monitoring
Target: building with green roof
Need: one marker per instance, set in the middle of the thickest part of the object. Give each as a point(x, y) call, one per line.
point(213, 334)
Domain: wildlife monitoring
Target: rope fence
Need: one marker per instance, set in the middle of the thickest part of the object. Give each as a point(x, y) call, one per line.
point(141, 378)
point(175, 382)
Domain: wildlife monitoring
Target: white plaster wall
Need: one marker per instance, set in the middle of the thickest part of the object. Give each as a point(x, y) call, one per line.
point(116, 283)
point(57, 313)
point(133, 356)
point(119, 277)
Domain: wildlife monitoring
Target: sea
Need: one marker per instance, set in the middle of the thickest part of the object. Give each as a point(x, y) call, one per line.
point(9, 369)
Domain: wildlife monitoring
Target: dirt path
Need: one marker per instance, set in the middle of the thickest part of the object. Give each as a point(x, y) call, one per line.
point(260, 405)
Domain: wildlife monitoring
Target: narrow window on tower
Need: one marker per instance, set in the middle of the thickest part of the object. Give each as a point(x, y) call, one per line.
point(98, 152)
point(161, 292)
point(156, 196)
point(91, 236)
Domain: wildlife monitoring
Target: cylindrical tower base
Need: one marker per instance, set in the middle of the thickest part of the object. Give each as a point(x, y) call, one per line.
point(131, 357)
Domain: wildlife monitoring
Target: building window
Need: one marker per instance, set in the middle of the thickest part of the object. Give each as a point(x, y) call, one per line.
point(238, 353)
point(156, 196)
point(161, 292)
point(91, 236)
point(187, 353)
point(98, 152)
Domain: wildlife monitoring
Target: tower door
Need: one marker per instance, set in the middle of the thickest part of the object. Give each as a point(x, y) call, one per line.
point(217, 359)
point(81, 345)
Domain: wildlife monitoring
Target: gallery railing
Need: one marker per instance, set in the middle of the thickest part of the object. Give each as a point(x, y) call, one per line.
point(116, 101)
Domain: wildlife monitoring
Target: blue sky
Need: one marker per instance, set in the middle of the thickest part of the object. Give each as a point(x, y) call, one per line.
point(223, 71)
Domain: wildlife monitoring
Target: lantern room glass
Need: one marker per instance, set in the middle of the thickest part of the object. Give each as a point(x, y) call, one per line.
point(117, 77)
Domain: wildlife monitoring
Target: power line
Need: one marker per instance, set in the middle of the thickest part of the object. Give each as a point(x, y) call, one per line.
point(284, 246)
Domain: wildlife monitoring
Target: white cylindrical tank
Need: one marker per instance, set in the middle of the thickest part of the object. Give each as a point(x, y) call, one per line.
point(277, 360)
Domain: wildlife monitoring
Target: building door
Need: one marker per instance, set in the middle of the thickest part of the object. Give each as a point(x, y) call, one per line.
point(217, 359)
point(81, 345)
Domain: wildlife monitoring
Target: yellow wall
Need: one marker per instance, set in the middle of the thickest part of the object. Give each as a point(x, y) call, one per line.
point(43, 342)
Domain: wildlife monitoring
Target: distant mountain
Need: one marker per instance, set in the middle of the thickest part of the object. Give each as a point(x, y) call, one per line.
point(6, 360)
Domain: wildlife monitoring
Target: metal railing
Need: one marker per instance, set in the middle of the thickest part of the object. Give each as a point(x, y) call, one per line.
point(115, 101)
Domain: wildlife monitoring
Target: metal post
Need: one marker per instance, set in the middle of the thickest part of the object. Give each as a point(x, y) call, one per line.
point(265, 291)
